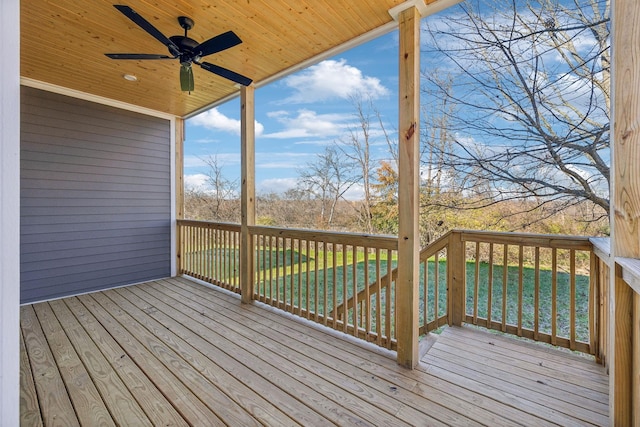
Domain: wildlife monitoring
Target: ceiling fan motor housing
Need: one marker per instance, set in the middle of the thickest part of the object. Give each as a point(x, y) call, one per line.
point(187, 46)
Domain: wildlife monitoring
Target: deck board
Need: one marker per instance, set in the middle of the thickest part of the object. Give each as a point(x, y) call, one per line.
point(174, 352)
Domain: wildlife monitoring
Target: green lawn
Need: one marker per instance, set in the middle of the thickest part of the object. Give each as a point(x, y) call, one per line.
point(293, 267)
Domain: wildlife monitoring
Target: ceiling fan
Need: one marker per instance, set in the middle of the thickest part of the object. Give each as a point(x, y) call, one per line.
point(187, 50)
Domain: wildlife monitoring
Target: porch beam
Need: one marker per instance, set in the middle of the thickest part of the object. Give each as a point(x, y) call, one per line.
point(624, 361)
point(248, 189)
point(407, 297)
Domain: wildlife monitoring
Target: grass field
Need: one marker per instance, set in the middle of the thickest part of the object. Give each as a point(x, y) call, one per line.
point(294, 267)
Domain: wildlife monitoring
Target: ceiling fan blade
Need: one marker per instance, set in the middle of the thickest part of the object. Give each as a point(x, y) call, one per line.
point(146, 25)
point(137, 56)
point(227, 74)
point(218, 43)
point(186, 78)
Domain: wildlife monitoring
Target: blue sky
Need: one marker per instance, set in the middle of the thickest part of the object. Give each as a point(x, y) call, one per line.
point(298, 116)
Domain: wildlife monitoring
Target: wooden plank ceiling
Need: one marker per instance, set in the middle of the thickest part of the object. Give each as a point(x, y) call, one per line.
point(63, 43)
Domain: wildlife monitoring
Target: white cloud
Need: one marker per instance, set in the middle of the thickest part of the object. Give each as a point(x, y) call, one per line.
point(193, 162)
point(224, 159)
point(332, 79)
point(308, 124)
point(276, 185)
point(282, 160)
point(215, 120)
point(197, 182)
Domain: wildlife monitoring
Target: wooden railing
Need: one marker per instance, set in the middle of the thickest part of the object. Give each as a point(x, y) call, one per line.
point(313, 273)
point(619, 329)
point(540, 287)
point(543, 287)
point(210, 252)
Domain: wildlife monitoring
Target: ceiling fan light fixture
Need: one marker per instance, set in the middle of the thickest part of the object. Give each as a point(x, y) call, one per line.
point(130, 77)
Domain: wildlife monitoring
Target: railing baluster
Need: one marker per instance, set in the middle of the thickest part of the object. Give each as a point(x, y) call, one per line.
point(389, 296)
point(572, 303)
point(325, 283)
point(299, 251)
point(354, 274)
point(554, 295)
point(476, 285)
point(520, 287)
point(594, 296)
point(270, 249)
point(316, 287)
point(505, 279)
point(335, 286)
point(436, 290)
point(378, 299)
point(536, 287)
point(490, 287)
point(308, 272)
point(367, 296)
point(345, 311)
point(277, 271)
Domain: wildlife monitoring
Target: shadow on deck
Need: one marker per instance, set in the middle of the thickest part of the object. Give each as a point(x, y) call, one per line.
point(173, 352)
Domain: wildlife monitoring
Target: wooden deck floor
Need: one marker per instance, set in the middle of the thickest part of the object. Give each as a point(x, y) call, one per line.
point(173, 352)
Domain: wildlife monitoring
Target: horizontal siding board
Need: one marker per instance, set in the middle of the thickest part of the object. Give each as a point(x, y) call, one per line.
point(70, 154)
point(84, 244)
point(90, 261)
point(97, 169)
point(149, 201)
point(74, 218)
point(124, 232)
point(95, 253)
point(59, 106)
point(95, 196)
point(73, 137)
point(84, 194)
point(92, 177)
point(78, 284)
point(87, 228)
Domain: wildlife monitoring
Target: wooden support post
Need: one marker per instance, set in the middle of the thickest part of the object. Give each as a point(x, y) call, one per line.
point(179, 190)
point(407, 328)
point(635, 368)
point(248, 196)
point(620, 366)
point(625, 207)
point(456, 279)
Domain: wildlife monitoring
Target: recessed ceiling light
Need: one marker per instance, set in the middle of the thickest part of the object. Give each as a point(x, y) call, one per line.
point(130, 77)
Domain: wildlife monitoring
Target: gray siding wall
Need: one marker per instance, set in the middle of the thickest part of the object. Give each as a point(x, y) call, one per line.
point(95, 196)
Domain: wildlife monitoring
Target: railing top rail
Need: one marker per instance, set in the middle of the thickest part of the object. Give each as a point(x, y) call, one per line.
point(437, 245)
point(210, 224)
point(630, 272)
point(354, 239)
point(528, 239)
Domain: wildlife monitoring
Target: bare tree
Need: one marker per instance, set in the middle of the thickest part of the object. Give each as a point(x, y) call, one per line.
point(222, 193)
point(356, 146)
point(328, 178)
point(530, 85)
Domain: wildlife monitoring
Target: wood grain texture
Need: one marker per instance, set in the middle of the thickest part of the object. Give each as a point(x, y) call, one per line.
point(407, 327)
point(55, 404)
point(57, 36)
point(29, 406)
point(626, 130)
point(166, 339)
point(248, 191)
point(84, 396)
